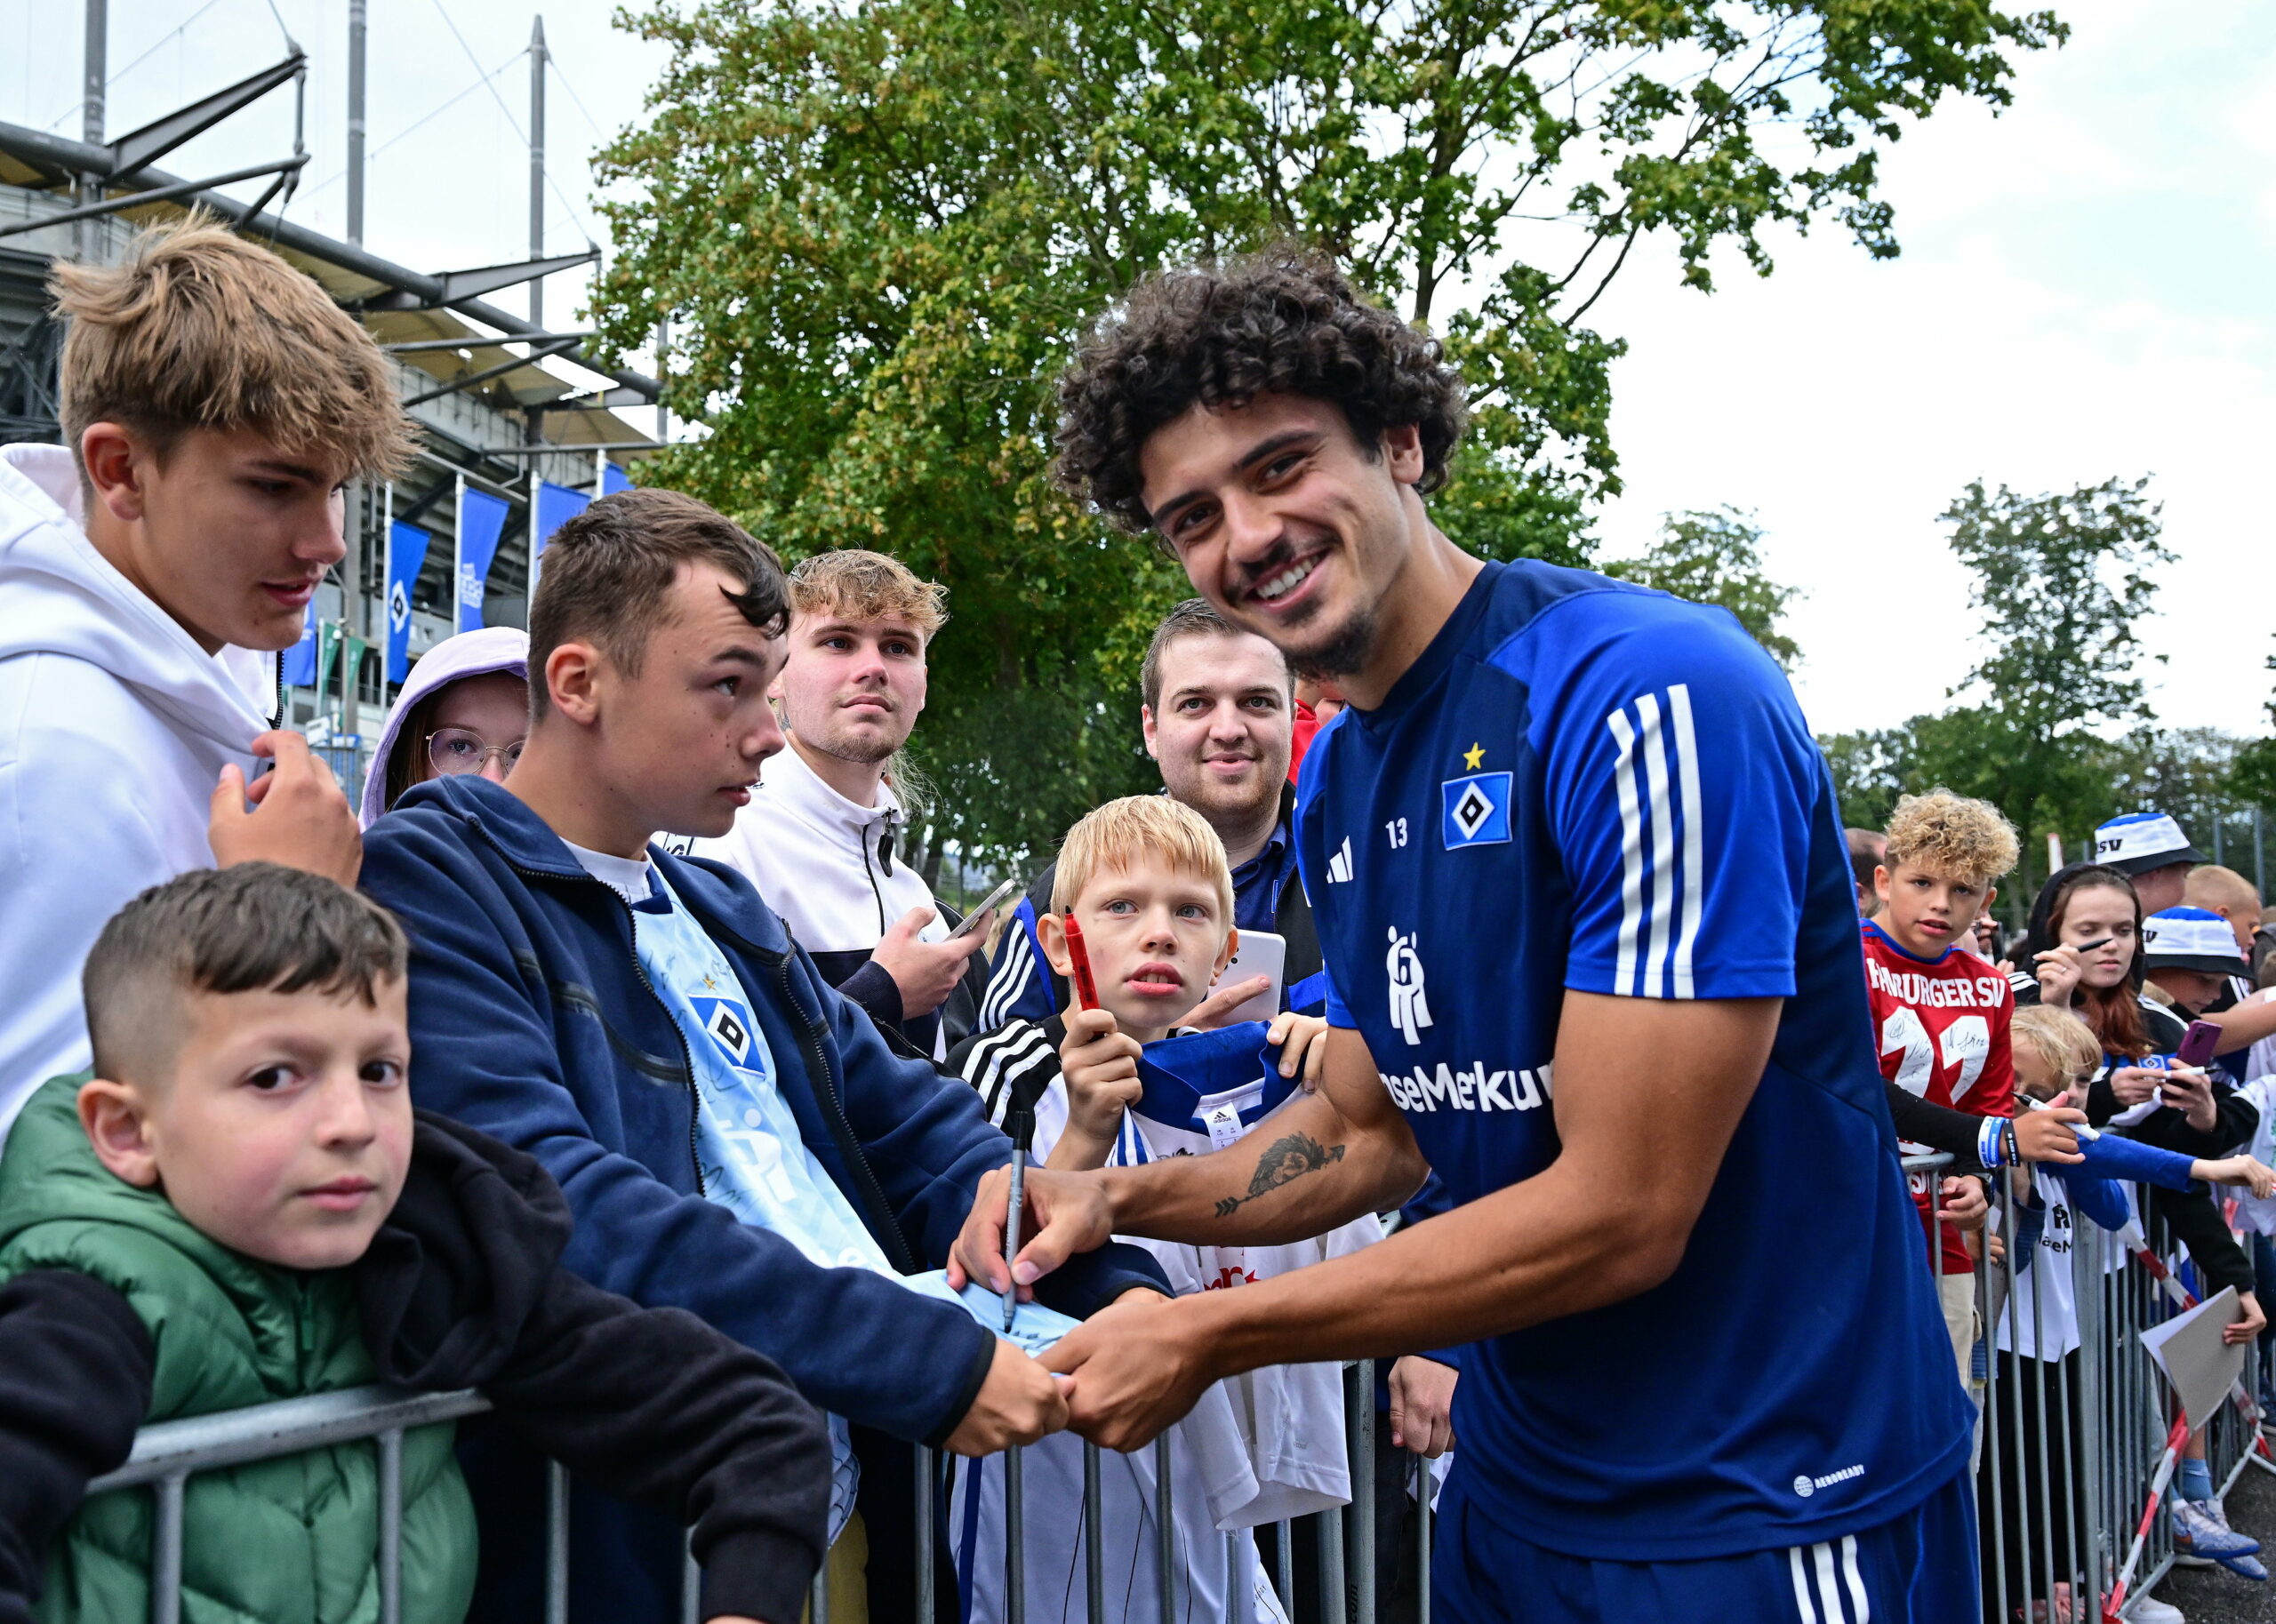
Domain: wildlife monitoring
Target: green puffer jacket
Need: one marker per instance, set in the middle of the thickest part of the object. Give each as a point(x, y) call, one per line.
point(285, 1541)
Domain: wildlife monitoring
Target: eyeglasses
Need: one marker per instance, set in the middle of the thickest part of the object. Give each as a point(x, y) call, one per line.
point(454, 750)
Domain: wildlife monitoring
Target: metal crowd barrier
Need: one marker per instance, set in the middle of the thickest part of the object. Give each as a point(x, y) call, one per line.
point(2083, 1512)
point(2077, 1455)
point(167, 1453)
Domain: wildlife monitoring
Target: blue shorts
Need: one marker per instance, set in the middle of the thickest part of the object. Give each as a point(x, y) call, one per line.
point(1916, 1569)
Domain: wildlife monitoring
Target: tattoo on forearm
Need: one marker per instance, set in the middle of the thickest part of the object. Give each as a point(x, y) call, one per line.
point(1283, 1160)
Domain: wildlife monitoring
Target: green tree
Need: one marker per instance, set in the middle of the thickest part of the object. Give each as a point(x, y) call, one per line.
point(1716, 558)
point(877, 229)
point(2063, 583)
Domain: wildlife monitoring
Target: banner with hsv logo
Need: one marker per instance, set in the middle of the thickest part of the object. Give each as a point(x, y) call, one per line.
point(407, 546)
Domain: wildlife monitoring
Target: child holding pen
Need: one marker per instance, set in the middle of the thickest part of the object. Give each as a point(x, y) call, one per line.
point(1141, 925)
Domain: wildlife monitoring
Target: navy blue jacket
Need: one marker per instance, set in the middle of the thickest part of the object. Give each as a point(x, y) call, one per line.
point(532, 1019)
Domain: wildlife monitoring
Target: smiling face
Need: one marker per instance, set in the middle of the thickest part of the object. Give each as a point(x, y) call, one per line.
point(1224, 728)
point(2091, 913)
point(225, 532)
point(1286, 522)
point(1157, 936)
point(284, 1128)
point(1926, 912)
point(681, 740)
point(852, 688)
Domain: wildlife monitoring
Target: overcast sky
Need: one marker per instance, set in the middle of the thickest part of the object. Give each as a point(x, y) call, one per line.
point(2084, 291)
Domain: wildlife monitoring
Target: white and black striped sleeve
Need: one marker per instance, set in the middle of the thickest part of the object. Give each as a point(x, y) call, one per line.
point(1023, 1056)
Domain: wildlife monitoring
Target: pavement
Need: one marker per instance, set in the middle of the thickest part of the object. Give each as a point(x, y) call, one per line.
point(2215, 1595)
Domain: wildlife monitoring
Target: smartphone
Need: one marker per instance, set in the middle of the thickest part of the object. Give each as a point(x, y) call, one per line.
point(2198, 1043)
point(996, 898)
point(1257, 953)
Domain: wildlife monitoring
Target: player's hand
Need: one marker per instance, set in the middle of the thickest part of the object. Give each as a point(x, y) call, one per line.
point(2050, 1135)
point(1064, 1213)
point(1422, 1405)
point(2249, 1322)
point(1138, 1368)
point(2190, 1091)
point(924, 972)
point(2059, 970)
point(1303, 1040)
point(1098, 1063)
point(1217, 1009)
point(1964, 1203)
point(2130, 1085)
point(1019, 1401)
point(300, 816)
point(2239, 1170)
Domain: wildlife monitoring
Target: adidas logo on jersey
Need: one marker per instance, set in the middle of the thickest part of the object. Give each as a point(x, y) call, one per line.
point(1339, 864)
point(1472, 1088)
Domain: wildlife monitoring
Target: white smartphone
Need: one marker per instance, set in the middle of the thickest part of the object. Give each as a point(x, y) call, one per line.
point(996, 898)
point(1257, 953)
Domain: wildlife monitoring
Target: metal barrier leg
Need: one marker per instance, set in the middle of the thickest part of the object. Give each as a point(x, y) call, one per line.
point(691, 1584)
point(1166, 1536)
point(1016, 1517)
point(1360, 1423)
point(1094, 1534)
point(557, 1543)
point(391, 1527)
point(1332, 1593)
point(166, 1552)
point(1422, 1515)
point(1284, 1561)
point(923, 1553)
point(1238, 1605)
point(818, 1597)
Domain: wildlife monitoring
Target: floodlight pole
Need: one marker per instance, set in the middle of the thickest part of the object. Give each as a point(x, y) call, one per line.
point(95, 88)
point(537, 165)
point(356, 121)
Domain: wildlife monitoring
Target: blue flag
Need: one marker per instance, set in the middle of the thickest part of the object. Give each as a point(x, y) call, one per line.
point(482, 519)
point(407, 546)
point(551, 507)
point(614, 479)
point(296, 667)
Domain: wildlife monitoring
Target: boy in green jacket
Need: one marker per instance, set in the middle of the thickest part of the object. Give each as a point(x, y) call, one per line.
point(239, 1206)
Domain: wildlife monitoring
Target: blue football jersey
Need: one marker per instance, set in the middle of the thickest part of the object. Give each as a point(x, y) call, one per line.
point(1585, 785)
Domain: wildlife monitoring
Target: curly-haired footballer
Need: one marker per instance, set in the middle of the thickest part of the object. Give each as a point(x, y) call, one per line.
point(1585, 903)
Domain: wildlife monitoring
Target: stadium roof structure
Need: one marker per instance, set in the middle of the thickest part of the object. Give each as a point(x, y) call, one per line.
point(493, 392)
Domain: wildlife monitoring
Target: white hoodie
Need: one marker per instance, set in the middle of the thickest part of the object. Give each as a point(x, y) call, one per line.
point(114, 728)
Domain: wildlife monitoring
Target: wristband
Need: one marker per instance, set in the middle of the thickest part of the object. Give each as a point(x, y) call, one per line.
point(1988, 1141)
point(2014, 1150)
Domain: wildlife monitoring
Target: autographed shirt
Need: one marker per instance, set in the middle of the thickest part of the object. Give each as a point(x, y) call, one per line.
point(1584, 786)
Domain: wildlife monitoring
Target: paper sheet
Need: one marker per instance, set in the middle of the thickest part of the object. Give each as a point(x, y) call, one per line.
point(2188, 1348)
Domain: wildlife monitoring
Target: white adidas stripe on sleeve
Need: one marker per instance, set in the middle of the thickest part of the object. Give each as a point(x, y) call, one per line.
point(1654, 960)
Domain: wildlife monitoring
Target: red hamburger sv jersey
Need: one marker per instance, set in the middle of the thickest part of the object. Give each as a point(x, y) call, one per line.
point(1942, 1027)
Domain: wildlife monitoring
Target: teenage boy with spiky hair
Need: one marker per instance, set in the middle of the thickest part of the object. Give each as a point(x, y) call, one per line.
point(214, 403)
point(1591, 844)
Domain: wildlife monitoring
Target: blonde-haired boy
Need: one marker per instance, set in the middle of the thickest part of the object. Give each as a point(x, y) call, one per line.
point(1940, 1013)
point(1145, 880)
point(821, 838)
point(214, 403)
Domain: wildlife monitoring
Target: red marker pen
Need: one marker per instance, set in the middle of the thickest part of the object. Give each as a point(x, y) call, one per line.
point(1087, 990)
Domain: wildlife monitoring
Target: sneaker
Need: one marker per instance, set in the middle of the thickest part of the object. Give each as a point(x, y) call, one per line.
point(2245, 1567)
point(2150, 1610)
point(2202, 1531)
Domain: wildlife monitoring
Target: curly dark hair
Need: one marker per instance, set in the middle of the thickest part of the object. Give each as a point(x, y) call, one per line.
point(1282, 321)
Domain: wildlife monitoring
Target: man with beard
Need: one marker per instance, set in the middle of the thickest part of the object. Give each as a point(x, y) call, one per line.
point(1219, 718)
point(1580, 881)
point(821, 838)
